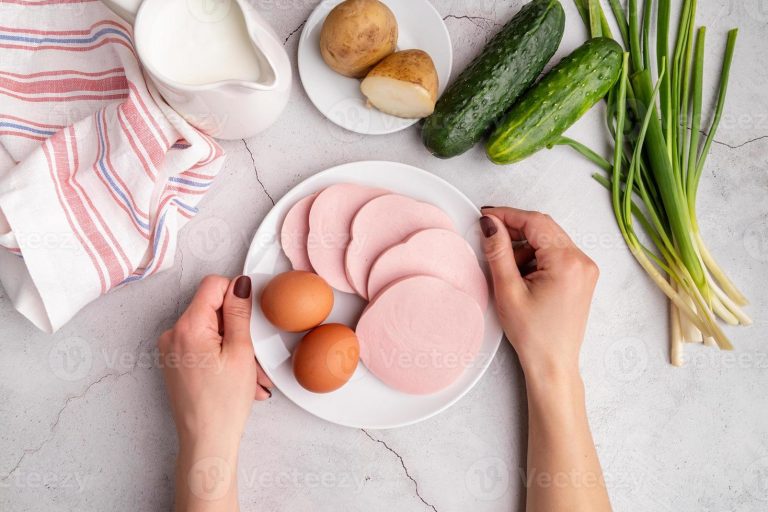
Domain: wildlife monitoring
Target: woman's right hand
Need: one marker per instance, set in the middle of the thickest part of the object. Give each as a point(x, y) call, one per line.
point(544, 313)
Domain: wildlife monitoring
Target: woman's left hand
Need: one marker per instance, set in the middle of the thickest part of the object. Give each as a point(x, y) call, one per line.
point(212, 378)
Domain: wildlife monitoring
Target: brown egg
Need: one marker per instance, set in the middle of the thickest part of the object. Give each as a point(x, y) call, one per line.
point(296, 301)
point(326, 358)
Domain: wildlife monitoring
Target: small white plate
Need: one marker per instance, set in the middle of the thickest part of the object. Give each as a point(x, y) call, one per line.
point(364, 402)
point(339, 97)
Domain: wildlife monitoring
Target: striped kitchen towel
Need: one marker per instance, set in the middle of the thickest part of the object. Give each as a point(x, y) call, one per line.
point(97, 173)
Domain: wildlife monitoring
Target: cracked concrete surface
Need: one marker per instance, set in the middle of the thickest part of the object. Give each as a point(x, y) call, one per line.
point(110, 429)
point(405, 468)
point(52, 430)
point(67, 401)
point(292, 32)
point(256, 172)
point(479, 21)
point(737, 146)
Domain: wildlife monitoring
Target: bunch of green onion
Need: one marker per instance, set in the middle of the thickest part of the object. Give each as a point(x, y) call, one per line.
point(655, 115)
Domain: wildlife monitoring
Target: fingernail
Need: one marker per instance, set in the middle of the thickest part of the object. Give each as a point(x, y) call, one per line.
point(488, 226)
point(486, 207)
point(242, 287)
point(267, 390)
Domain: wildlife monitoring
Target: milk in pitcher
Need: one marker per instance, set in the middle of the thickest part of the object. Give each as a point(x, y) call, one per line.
point(196, 42)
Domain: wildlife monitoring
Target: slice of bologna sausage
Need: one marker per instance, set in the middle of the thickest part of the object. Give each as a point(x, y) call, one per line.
point(329, 224)
point(293, 234)
point(382, 223)
point(432, 252)
point(420, 334)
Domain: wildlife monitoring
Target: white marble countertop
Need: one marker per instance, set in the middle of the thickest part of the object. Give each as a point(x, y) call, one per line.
point(98, 435)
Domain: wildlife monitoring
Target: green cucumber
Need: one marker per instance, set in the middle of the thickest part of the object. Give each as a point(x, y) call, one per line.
point(506, 67)
point(557, 101)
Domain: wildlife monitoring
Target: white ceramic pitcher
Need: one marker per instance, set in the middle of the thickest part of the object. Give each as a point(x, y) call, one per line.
point(243, 89)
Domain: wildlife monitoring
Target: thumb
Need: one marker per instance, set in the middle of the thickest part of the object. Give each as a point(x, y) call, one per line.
point(500, 255)
point(236, 312)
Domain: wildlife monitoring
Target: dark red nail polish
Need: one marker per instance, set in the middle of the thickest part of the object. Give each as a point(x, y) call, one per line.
point(267, 390)
point(486, 207)
point(242, 287)
point(487, 226)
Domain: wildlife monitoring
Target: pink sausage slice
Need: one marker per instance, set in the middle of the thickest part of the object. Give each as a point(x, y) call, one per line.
point(382, 223)
point(293, 235)
point(329, 223)
point(432, 252)
point(420, 334)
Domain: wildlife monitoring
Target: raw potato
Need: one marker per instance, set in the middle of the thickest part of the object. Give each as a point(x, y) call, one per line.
point(356, 35)
point(403, 84)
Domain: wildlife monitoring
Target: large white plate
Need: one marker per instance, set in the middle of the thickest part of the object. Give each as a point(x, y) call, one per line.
point(338, 97)
point(364, 402)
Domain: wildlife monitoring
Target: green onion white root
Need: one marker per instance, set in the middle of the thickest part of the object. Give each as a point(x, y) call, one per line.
point(654, 114)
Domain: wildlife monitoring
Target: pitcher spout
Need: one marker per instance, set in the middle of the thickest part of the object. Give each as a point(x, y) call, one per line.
point(214, 60)
point(268, 52)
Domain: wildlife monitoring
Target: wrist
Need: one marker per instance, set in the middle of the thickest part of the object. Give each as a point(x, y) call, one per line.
point(207, 436)
point(552, 379)
point(208, 445)
point(206, 477)
point(550, 369)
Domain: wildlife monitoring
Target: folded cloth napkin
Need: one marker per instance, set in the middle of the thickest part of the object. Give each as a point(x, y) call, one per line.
point(97, 173)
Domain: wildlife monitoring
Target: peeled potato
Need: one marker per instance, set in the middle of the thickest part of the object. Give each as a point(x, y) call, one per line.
point(404, 84)
point(356, 35)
